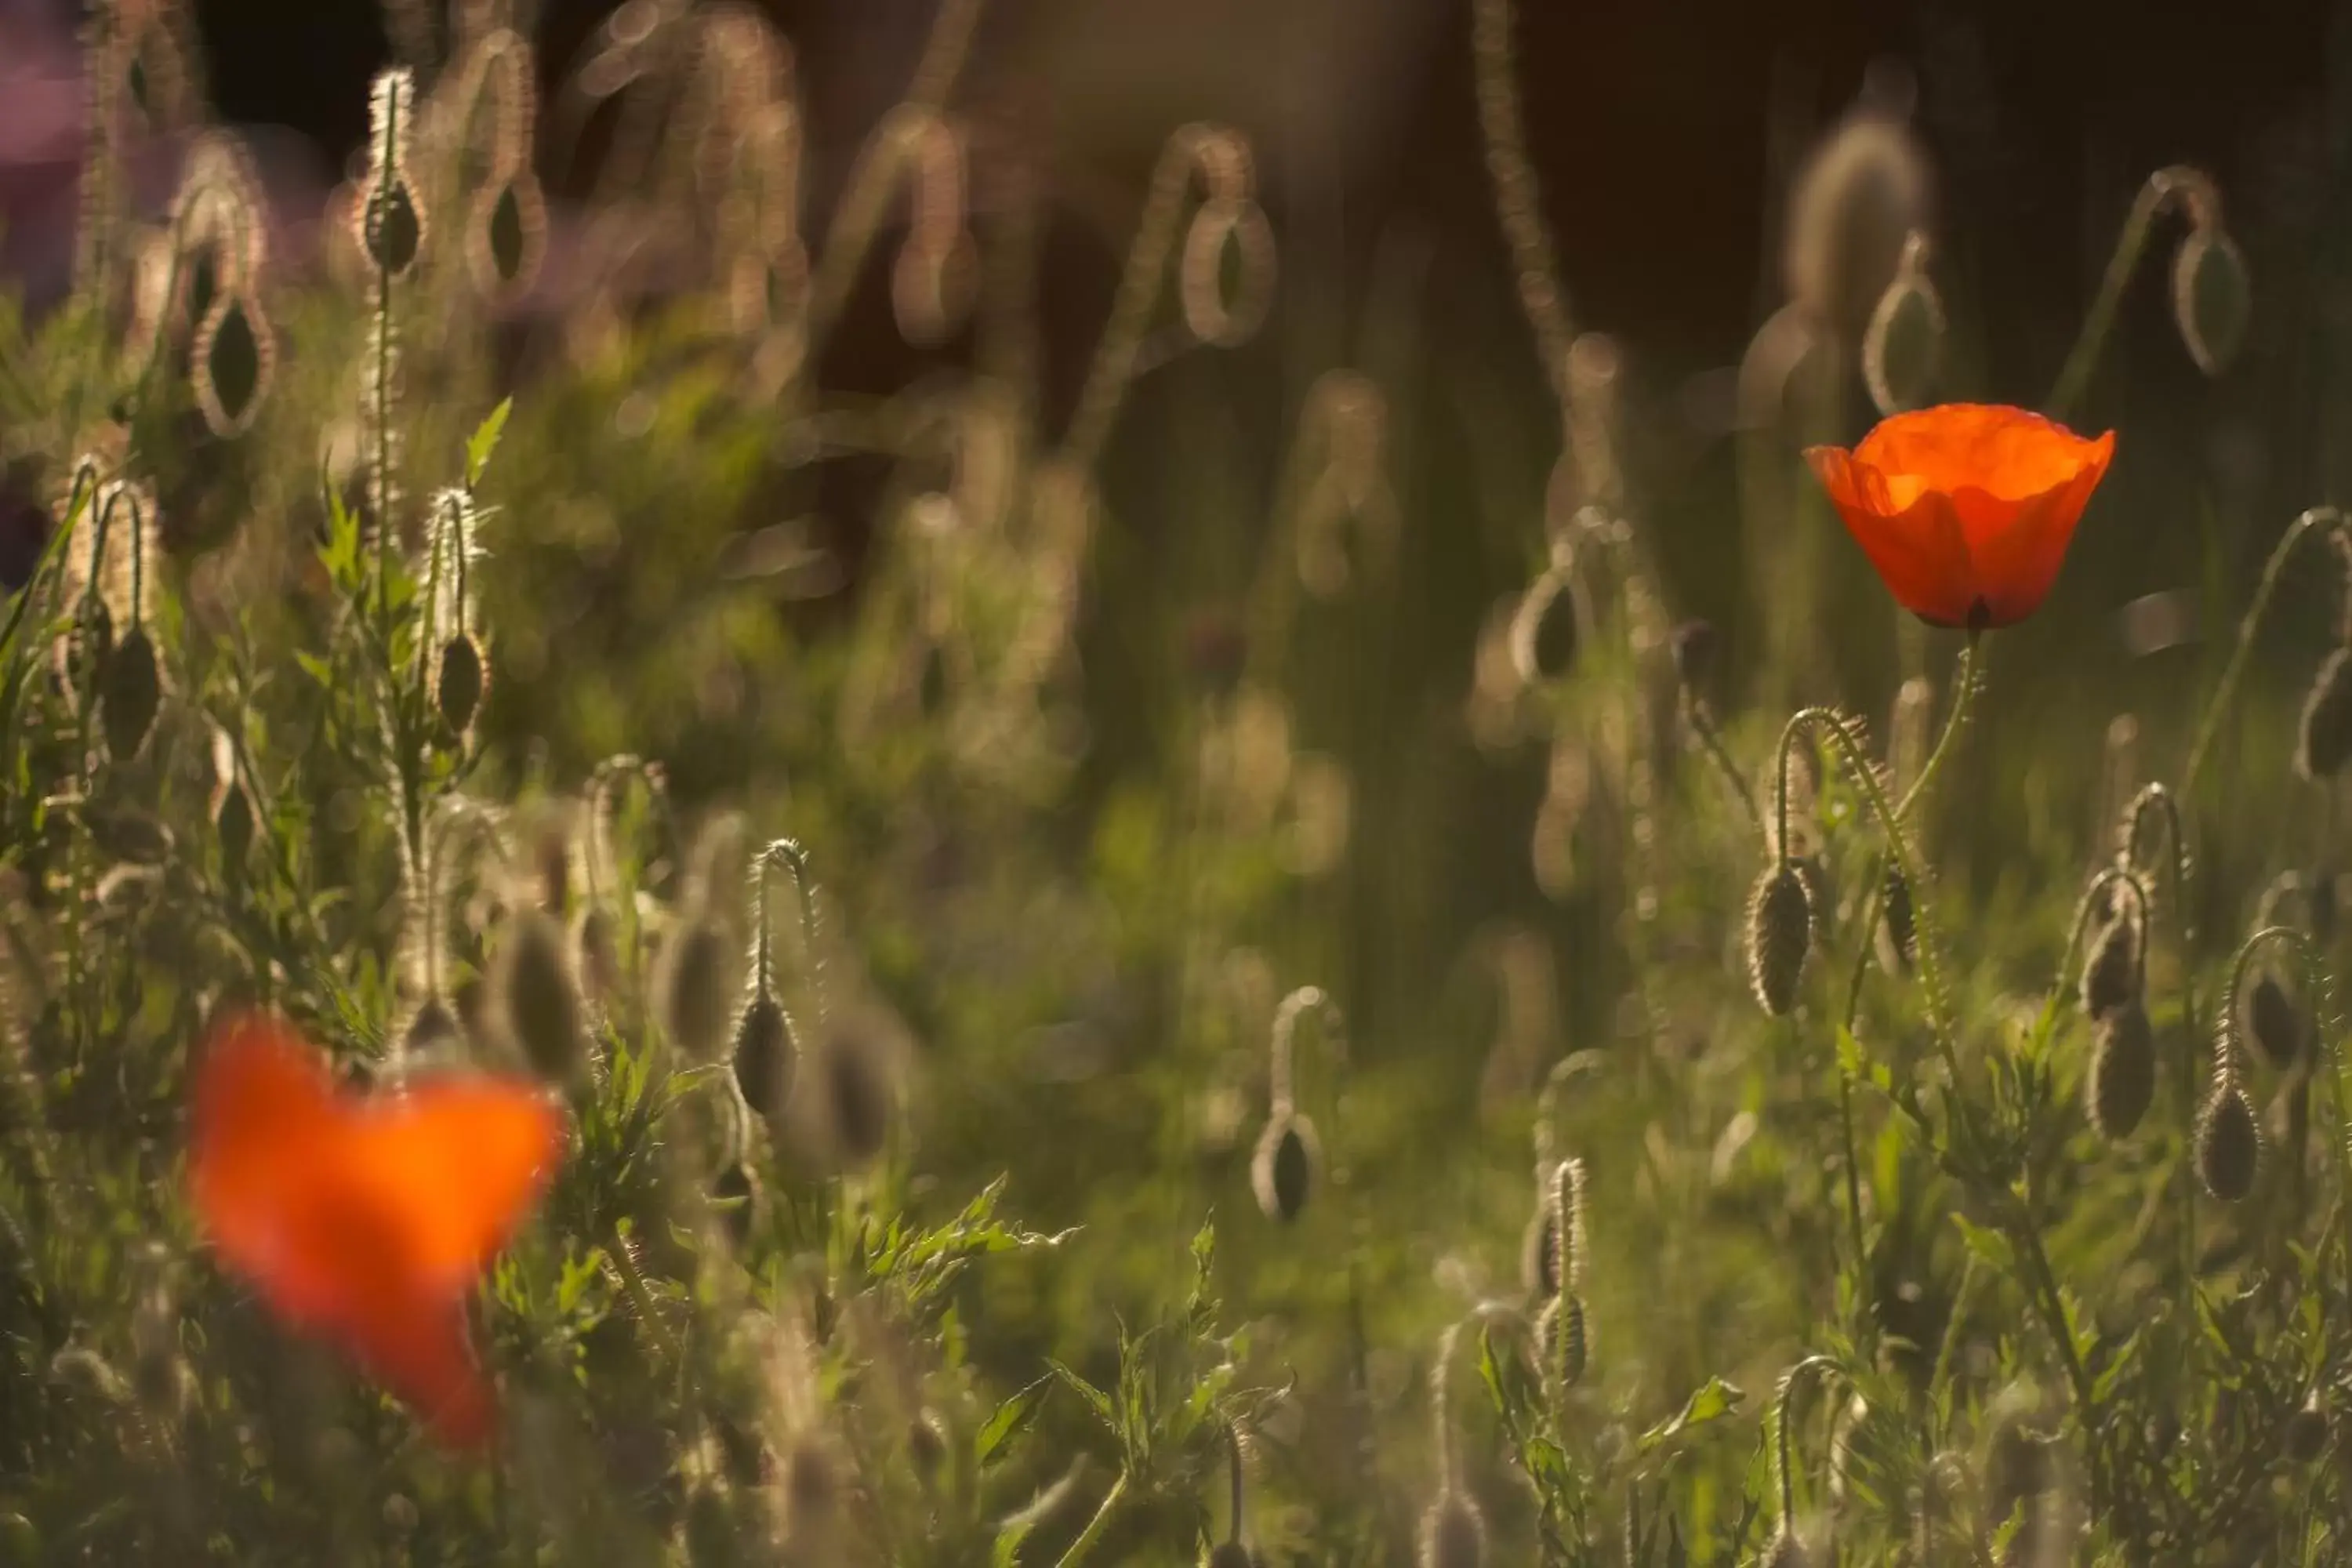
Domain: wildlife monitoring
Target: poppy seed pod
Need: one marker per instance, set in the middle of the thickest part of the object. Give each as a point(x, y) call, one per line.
point(130, 690)
point(2324, 740)
point(1779, 936)
point(2111, 976)
point(540, 1003)
point(1453, 1532)
point(762, 1056)
point(2308, 1431)
point(2228, 1144)
point(694, 989)
point(2123, 1070)
point(2213, 296)
point(459, 678)
point(1283, 1170)
point(2274, 1023)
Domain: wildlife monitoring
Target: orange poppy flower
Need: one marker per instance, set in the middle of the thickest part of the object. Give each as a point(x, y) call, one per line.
point(367, 1221)
point(1966, 509)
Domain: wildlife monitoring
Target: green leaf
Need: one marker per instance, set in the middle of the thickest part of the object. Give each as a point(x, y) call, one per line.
point(1010, 1419)
point(1991, 1248)
point(1007, 1551)
point(1712, 1401)
point(484, 441)
point(1086, 1391)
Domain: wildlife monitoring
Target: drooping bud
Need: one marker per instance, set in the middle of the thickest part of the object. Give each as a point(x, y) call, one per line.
point(735, 1195)
point(130, 690)
point(1898, 930)
point(1903, 344)
point(540, 1000)
point(1779, 936)
point(460, 675)
point(2213, 296)
point(2123, 1069)
point(598, 938)
point(1562, 1332)
point(1283, 1170)
point(2229, 1144)
point(694, 989)
point(762, 1056)
point(392, 229)
point(2111, 976)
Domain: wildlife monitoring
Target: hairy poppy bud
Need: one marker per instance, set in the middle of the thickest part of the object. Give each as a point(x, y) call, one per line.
point(1904, 344)
point(2229, 1144)
point(2111, 976)
point(1453, 1532)
point(390, 229)
point(763, 1056)
point(1779, 936)
point(2211, 297)
point(2123, 1069)
point(459, 678)
point(734, 1193)
point(130, 689)
point(1562, 1332)
point(233, 822)
point(539, 1002)
point(2324, 744)
point(232, 355)
point(1283, 1170)
point(2273, 1024)
point(1539, 1255)
point(694, 989)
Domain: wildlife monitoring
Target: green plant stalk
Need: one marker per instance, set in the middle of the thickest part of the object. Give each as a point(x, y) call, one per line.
point(2155, 798)
point(1874, 901)
point(2082, 360)
point(1091, 1536)
point(2049, 1305)
point(1963, 700)
point(2327, 517)
point(1701, 719)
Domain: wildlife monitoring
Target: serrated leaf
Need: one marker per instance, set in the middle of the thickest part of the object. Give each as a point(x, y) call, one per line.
point(1711, 1401)
point(1009, 1420)
point(1094, 1397)
point(484, 441)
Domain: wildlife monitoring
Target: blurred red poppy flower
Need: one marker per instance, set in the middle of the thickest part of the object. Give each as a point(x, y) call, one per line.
point(368, 1221)
point(1966, 508)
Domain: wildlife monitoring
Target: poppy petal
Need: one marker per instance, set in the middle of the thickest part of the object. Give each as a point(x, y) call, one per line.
point(1918, 549)
point(458, 1161)
point(417, 1348)
point(265, 1114)
point(2017, 563)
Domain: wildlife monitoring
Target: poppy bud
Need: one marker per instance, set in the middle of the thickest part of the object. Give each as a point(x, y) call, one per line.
point(434, 1027)
point(2229, 1144)
point(1232, 1554)
point(2211, 297)
point(232, 355)
point(694, 989)
point(1779, 936)
point(1561, 1331)
point(540, 1003)
point(459, 678)
point(2123, 1070)
point(2306, 1431)
point(859, 1097)
point(233, 821)
point(1453, 1532)
point(1283, 1170)
point(1696, 644)
point(763, 1056)
point(2324, 743)
point(2273, 1024)
point(130, 689)
point(2111, 975)
point(1539, 1255)
point(390, 229)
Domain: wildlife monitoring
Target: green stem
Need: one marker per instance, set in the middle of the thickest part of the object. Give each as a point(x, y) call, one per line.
point(2154, 196)
point(1710, 739)
point(2155, 800)
point(2050, 1307)
point(1963, 700)
point(2326, 517)
point(2108, 876)
point(1091, 1536)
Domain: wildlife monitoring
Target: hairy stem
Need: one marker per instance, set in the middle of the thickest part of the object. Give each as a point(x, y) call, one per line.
point(2154, 196)
point(2208, 727)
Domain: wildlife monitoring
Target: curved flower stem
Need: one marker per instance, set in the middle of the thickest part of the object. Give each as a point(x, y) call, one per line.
point(2320, 987)
point(1839, 732)
point(1783, 1469)
point(789, 853)
point(1963, 700)
point(1701, 719)
point(2155, 800)
point(2119, 873)
point(2326, 517)
point(2082, 360)
point(1281, 1048)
